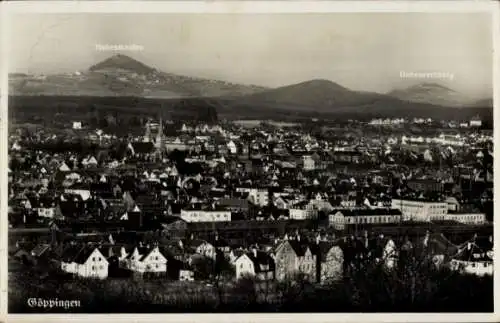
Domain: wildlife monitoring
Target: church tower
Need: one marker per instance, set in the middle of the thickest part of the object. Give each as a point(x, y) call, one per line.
point(147, 134)
point(159, 142)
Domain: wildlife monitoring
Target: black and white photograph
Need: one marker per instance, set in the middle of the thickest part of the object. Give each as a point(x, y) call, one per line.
point(335, 162)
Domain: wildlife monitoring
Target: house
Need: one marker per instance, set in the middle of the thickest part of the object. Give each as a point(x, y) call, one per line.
point(146, 260)
point(299, 211)
point(255, 263)
point(341, 218)
point(232, 148)
point(421, 209)
point(308, 163)
point(174, 227)
point(235, 254)
point(80, 190)
point(473, 260)
point(293, 257)
point(258, 196)
point(244, 266)
point(222, 245)
point(90, 162)
point(64, 167)
point(467, 218)
point(199, 214)
point(476, 122)
point(116, 255)
point(77, 125)
point(282, 202)
point(347, 156)
point(201, 247)
point(234, 204)
point(84, 261)
point(186, 274)
point(46, 207)
point(425, 185)
point(453, 204)
point(304, 210)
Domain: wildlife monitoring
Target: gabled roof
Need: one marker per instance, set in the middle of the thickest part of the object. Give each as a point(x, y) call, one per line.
point(298, 247)
point(195, 243)
point(238, 253)
point(40, 249)
point(261, 258)
point(471, 252)
point(77, 253)
point(145, 251)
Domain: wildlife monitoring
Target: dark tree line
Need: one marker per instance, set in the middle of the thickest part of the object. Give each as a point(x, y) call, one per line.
point(414, 286)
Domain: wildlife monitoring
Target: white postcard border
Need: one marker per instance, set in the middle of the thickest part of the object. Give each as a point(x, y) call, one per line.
point(234, 7)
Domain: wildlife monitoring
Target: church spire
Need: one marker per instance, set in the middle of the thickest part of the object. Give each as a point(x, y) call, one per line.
point(147, 133)
point(159, 136)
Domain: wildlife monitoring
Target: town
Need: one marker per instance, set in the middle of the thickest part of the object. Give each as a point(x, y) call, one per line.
point(216, 203)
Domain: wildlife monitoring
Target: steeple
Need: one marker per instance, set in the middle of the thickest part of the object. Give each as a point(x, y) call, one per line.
point(147, 133)
point(159, 138)
point(159, 135)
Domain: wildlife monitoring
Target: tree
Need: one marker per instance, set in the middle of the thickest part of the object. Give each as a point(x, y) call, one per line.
point(246, 291)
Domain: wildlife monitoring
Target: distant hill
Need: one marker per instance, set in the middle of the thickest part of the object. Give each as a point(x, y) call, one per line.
point(121, 75)
point(326, 97)
point(431, 93)
point(320, 94)
point(122, 62)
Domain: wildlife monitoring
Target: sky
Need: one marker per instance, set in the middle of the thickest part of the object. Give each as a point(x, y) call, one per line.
point(361, 51)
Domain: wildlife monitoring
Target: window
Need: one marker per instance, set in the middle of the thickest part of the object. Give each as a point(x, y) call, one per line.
point(93, 268)
point(99, 259)
point(93, 258)
point(473, 265)
point(485, 264)
point(156, 258)
point(101, 267)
